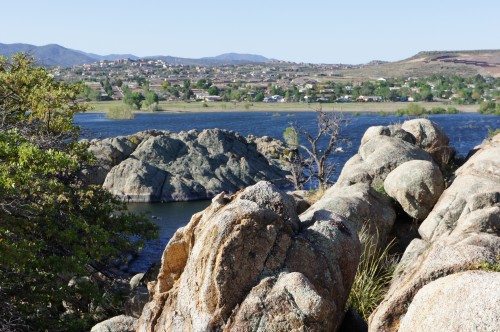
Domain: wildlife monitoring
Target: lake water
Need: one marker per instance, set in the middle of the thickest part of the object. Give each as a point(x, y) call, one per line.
point(464, 130)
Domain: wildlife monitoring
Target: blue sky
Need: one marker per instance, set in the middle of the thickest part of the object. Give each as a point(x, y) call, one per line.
point(301, 31)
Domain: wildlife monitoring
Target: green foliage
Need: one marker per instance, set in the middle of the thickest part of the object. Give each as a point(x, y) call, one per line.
point(150, 98)
point(122, 112)
point(29, 95)
point(437, 110)
point(133, 99)
point(490, 267)
point(154, 107)
point(489, 107)
point(291, 137)
point(54, 227)
point(374, 274)
point(452, 110)
point(412, 109)
point(493, 132)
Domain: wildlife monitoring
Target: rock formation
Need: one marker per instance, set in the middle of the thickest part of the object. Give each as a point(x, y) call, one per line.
point(116, 324)
point(250, 263)
point(460, 234)
point(153, 166)
point(359, 193)
point(416, 185)
point(247, 263)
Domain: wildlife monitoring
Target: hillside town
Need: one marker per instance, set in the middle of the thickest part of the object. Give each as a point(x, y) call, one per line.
point(276, 81)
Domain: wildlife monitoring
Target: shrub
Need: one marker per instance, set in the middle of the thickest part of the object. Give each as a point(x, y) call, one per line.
point(437, 110)
point(154, 107)
point(493, 132)
point(487, 107)
point(374, 274)
point(121, 112)
point(452, 110)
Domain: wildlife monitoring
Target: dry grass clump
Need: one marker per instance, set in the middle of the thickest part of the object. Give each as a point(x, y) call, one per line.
point(373, 277)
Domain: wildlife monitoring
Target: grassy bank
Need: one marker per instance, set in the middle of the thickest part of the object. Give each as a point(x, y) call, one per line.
point(180, 107)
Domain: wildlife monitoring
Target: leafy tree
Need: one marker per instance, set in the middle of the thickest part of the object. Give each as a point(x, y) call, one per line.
point(186, 90)
point(54, 227)
point(133, 99)
point(213, 91)
point(259, 96)
point(203, 83)
point(150, 98)
point(107, 87)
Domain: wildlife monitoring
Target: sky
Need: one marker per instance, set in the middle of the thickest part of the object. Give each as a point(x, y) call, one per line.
point(311, 31)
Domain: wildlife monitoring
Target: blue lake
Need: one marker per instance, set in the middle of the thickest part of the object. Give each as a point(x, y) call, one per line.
point(464, 130)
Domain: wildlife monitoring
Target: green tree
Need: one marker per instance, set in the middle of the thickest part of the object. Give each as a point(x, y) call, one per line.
point(107, 87)
point(259, 96)
point(150, 98)
point(133, 99)
point(213, 90)
point(54, 226)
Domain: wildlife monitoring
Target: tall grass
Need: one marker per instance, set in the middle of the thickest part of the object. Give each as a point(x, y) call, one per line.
point(120, 112)
point(374, 274)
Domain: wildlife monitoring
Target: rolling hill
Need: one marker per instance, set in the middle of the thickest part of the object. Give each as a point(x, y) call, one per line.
point(56, 55)
point(462, 63)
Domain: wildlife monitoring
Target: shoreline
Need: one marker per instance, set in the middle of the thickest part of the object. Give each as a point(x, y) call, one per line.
point(221, 107)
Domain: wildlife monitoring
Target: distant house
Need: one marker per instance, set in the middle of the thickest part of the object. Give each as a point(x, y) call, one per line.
point(367, 99)
point(212, 98)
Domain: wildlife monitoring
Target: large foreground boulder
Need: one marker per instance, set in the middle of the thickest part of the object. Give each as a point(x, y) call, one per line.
point(247, 263)
point(466, 301)
point(430, 137)
point(160, 166)
point(416, 185)
point(460, 234)
point(120, 323)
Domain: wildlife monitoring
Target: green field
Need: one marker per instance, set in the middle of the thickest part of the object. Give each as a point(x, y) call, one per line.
point(180, 107)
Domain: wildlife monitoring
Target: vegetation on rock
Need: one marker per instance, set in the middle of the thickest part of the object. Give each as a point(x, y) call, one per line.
point(374, 274)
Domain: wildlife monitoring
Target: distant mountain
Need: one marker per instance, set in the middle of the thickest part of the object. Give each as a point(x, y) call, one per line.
point(47, 55)
point(223, 59)
point(109, 57)
point(237, 57)
point(56, 55)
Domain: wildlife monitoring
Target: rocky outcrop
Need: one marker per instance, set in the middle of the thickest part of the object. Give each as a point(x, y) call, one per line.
point(120, 323)
point(430, 137)
point(154, 166)
point(248, 263)
point(416, 185)
point(460, 233)
point(466, 301)
point(359, 192)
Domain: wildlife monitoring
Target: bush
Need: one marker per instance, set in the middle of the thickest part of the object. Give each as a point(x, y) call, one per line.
point(437, 110)
point(121, 112)
point(452, 110)
point(493, 132)
point(374, 274)
point(412, 109)
point(154, 107)
point(487, 107)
